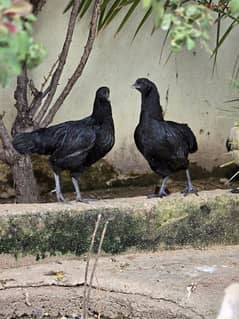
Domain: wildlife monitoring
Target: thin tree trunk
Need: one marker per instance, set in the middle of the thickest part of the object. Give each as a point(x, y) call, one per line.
point(24, 180)
point(35, 113)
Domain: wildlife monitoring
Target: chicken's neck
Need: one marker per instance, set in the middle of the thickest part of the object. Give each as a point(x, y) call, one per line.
point(102, 110)
point(151, 105)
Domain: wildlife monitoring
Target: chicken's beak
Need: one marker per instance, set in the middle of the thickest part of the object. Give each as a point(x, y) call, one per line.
point(135, 86)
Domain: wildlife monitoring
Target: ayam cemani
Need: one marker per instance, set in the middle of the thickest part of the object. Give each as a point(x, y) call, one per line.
point(164, 144)
point(76, 145)
point(73, 145)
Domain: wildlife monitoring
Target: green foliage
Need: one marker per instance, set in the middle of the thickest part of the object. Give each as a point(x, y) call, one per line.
point(186, 22)
point(234, 6)
point(17, 45)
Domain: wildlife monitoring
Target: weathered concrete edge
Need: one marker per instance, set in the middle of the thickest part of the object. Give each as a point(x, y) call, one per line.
point(211, 218)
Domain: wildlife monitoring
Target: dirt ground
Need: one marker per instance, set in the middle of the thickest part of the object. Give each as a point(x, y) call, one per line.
point(175, 185)
point(178, 284)
point(133, 191)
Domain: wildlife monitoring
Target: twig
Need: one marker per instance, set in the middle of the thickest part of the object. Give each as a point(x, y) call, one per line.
point(87, 265)
point(62, 61)
point(94, 267)
point(38, 5)
point(46, 78)
point(37, 100)
point(79, 69)
point(27, 302)
point(33, 89)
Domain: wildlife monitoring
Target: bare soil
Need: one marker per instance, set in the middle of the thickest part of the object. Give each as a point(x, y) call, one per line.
point(138, 285)
point(133, 191)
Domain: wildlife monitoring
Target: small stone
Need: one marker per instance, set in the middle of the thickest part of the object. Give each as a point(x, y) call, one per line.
point(223, 180)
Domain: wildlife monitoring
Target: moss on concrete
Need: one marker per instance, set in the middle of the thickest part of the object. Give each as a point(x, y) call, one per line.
point(167, 223)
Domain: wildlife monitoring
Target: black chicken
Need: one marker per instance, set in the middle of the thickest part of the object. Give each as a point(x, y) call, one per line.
point(73, 145)
point(232, 146)
point(164, 144)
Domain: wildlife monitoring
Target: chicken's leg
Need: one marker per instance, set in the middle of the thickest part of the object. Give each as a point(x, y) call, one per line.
point(77, 189)
point(163, 191)
point(78, 194)
point(189, 189)
point(59, 194)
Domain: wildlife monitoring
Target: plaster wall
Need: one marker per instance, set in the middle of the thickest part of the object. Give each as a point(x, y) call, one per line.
point(194, 95)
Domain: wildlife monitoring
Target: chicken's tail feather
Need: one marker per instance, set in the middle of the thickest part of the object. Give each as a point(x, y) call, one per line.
point(193, 144)
point(191, 138)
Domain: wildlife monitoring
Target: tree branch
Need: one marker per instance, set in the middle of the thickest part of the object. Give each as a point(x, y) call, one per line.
point(20, 93)
point(78, 71)
point(37, 100)
point(46, 78)
point(37, 5)
point(62, 61)
point(33, 89)
point(3, 155)
point(22, 120)
point(8, 153)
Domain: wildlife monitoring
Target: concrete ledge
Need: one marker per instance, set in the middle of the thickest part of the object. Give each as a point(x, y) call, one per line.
point(41, 229)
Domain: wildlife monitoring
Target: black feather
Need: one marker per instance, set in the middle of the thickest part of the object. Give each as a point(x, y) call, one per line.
point(164, 144)
point(228, 145)
point(73, 145)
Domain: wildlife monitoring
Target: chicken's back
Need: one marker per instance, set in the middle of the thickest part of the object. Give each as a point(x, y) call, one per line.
point(45, 140)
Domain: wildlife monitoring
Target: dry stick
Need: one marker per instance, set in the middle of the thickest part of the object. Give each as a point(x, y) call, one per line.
point(37, 100)
point(33, 89)
point(87, 264)
point(94, 268)
point(46, 79)
point(49, 114)
point(38, 5)
point(62, 61)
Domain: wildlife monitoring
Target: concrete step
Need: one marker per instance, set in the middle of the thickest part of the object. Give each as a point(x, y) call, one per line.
point(141, 223)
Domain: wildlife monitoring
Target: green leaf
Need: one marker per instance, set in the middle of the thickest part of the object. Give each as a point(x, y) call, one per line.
point(145, 17)
point(68, 6)
point(112, 12)
point(102, 12)
point(128, 14)
point(5, 3)
point(146, 4)
point(191, 10)
point(223, 38)
point(31, 18)
point(234, 6)
point(158, 12)
point(167, 19)
point(190, 43)
point(164, 43)
point(85, 8)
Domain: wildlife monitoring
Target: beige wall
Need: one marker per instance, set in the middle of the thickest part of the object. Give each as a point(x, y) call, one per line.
point(195, 97)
